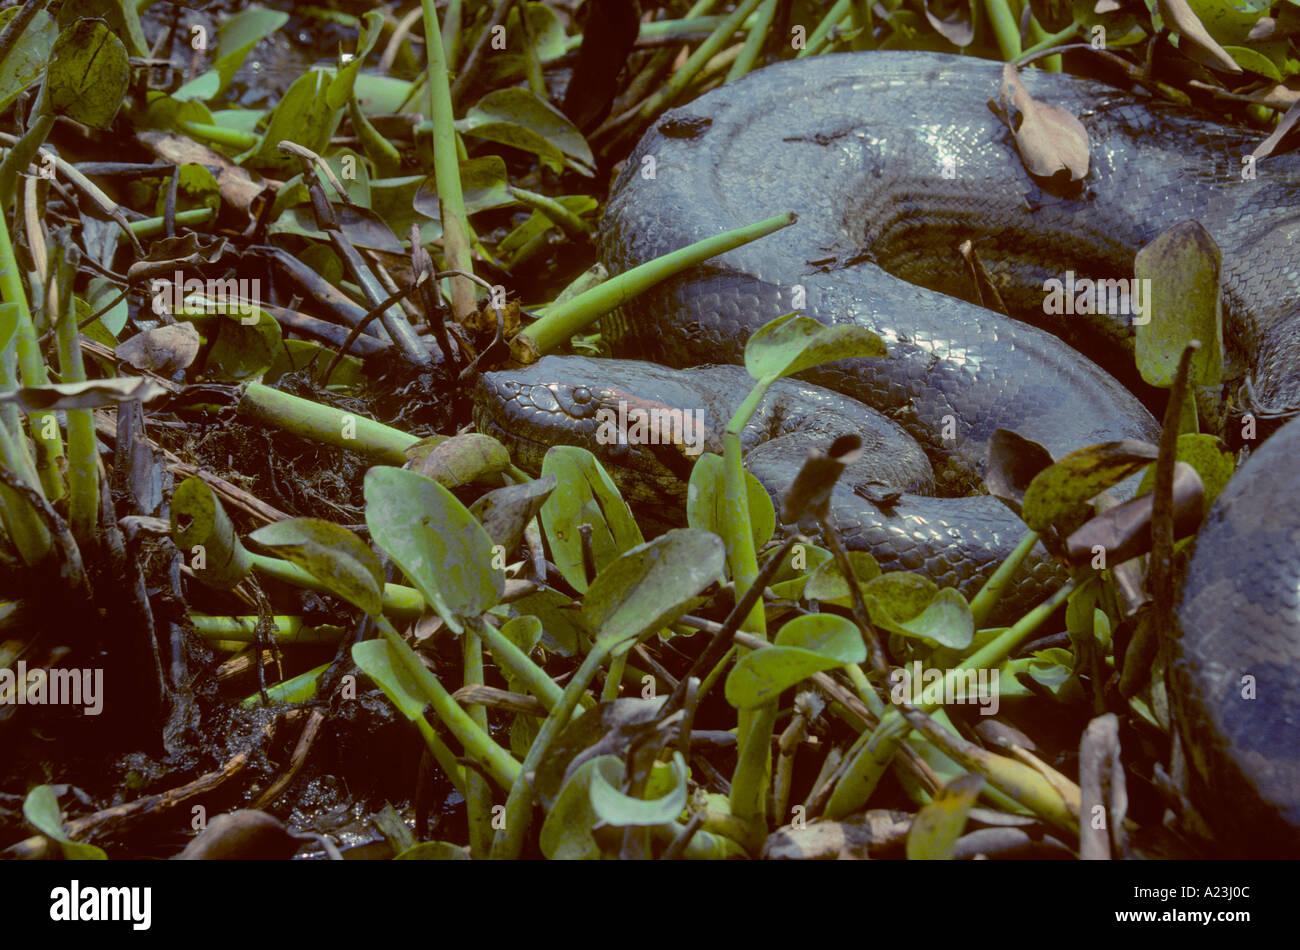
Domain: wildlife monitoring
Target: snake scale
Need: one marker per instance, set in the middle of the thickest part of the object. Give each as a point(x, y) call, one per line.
point(890, 160)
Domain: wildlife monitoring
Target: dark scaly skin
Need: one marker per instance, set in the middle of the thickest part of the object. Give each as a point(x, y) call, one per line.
point(1240, 616)
point(559, 399)
point(956, 542)
point(856, 145)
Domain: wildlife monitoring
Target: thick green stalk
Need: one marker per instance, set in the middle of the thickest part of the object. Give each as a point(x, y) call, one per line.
point(988, 595)
point(510, 657)
point(754, 732)
point(562, 320)
point(311, 420)
point(478, 800)
point(753, 41)
point(404, 602)
point(45, 434)
point(446, 167)
point(510, 838)
point(1005, 28)
point(83, 453)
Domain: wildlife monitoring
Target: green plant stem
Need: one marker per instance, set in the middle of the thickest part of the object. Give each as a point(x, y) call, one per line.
point(754, 729)
point(1005, 28)
point(23, 525)
point(821, 32)
point(446, 167)
point(509, 657)
point(31, 365)
point(989, 594)
point(510, 838)
point(562, 320)
point(686, 73)
point(1055, 39)
point(23, 151)
point(311, 420)
point(478, 800)
point(152, 227)
point(496, 761)
point(403, 602)
point(753, 41)
point(570, 223)
point(220, 134)
point(83, 451)
point(614, 678)
point(288, 629)
point(688, 25)
point(1051, 64)
point(873, 752)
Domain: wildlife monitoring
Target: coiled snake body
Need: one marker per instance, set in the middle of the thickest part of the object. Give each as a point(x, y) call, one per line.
point(891, 160)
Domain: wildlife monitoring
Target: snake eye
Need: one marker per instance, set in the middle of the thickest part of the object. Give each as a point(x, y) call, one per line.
point(582, 404)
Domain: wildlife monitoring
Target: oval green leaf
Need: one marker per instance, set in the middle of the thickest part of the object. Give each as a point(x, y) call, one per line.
point(436, 542)
point(331, 554)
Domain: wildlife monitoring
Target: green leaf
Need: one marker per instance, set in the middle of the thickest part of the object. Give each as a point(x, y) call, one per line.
point(314, 358)
point(41, 808)
point(939, 824)
point(1058, 493)
point(518, 118)
point(297, 689)
point(563, 628)
point(433, 851)
point(238, 350)
point(436, 542)
point(331, 554)
point(1205, 453)
point(27, 57)
point(1052, 668)
point(789, 344)
point(100, 291)
point(236, 37)
point(88, 74)
point(534, 228)
point(485, 184)
point(653, 584)
point(614, 808)
point(827, 584)
point(911, 606)
point(806, 645)
point(525, 633)
point(303, 116)
point(1181, 268)
point(567, 832)
point(584, 493)
point(120, 16)
point(376, 659)
point(791, 580)
point(706, 499)
point(465, 458)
